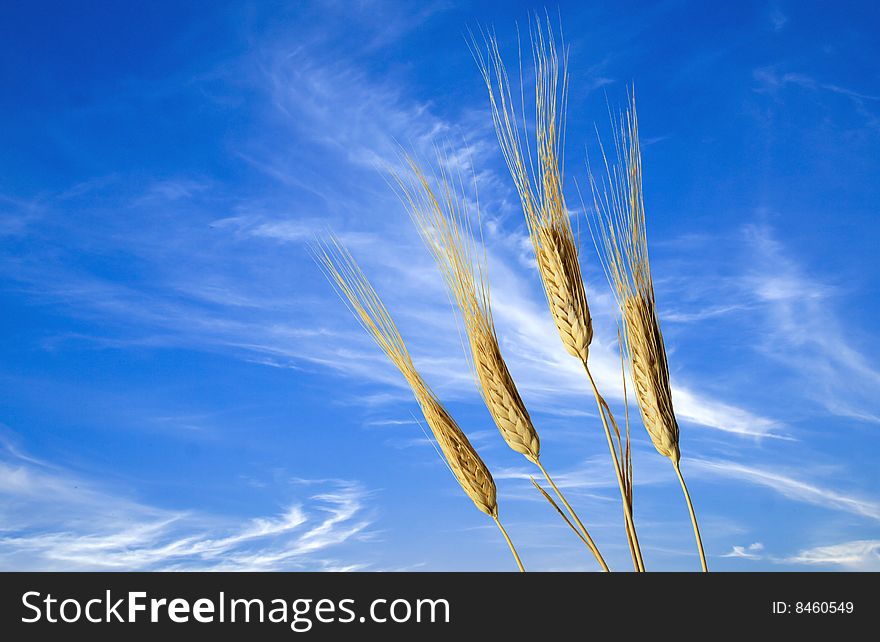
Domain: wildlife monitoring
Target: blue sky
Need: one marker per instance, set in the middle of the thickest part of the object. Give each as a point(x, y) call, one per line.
point(180, 388)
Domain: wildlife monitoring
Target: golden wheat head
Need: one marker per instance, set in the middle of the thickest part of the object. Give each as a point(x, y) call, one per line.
point(539, 180)
point(441, 217)
point(357, 292)
point(556, 254)
point(623, 247)
point(647, 358)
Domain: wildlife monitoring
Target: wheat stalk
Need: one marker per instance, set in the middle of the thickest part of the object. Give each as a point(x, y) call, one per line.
point(623, 247)
point(466, 465)
point(540, 189)
point(442, 220)
point(538, 179)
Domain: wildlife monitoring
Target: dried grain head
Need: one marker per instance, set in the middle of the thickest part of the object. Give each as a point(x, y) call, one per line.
point(621, 240)
point(647, 357)
point(556, 254)
point(442, 218)
point(538, 179)
point(357, 292)
point(465, 463)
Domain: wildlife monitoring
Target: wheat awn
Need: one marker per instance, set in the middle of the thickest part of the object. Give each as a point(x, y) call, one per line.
point(538, 179)
point(621, 241)
point(466, 465)
point(442, 220)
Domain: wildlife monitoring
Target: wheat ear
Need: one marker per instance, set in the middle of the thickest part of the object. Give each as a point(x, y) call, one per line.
point(539, 182)
point(442, 219)
point(539, 188)
point(466, 465)
point(623, 247)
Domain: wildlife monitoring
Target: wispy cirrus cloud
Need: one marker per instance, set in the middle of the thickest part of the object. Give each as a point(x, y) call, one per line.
point(52, 519)
point(778, 19)
point(750, 552)
point(771, 79)
point(789, 486)
point(793, 320)
point(804, 331)
point(344, 117)
point(227, 272)
point(549, 374)
point(857, 555)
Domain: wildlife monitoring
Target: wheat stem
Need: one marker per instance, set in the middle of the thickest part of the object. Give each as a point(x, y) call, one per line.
point(561, 512)
point(586, 535)
point(687, 497)
point(638, 563)
point(510, 544)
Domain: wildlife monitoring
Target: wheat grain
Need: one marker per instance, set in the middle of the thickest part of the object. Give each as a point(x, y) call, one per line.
point(539, 182)
point(623, 249)
point(540, 190)
point(647, 356)
point(358, 293)
point(622, 243)
point(462, 459)
point(556, 255)
point(442, 220)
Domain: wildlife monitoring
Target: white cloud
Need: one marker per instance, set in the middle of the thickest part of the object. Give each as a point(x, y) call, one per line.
point(765, 301)
point(704, 411)
point(804, 332)
point(778, 20)
point(349, 121)
point(52, 520)
point(711, 312)
point(332, 123)
point(751, 552)
point(858, 555)
point(771, 80)
point(789, 486)
point(548, 375)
